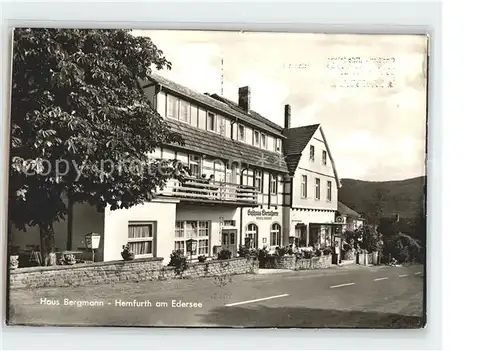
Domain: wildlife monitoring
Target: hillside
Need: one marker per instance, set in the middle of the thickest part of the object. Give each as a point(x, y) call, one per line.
point(377, 199)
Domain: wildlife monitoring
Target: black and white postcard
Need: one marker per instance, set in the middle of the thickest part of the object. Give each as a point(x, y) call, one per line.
point(217, 179)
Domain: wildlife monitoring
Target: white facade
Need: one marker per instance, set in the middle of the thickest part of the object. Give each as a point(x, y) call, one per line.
point(314, 196)
point(315, 170)
point(216, 214)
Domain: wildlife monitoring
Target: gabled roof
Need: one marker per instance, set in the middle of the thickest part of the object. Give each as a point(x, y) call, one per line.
point(346, 211)
point(215, 145)
point(252, 118)
point(295, 143)
point(296, 140)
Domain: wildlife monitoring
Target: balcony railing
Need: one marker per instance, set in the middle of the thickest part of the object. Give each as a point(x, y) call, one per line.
point(201, 190)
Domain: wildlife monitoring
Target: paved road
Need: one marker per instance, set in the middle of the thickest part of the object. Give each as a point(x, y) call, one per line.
point(350, 296)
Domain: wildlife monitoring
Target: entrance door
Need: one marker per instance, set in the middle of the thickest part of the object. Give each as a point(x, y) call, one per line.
point(229, 241)
point(232, 180)
point(302, 235)
point(314, 236)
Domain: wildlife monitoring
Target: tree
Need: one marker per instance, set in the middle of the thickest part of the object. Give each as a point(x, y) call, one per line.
point(81, 126)
point(376, 207)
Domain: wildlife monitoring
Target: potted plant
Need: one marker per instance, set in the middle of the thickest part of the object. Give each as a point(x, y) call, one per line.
point(13, 261)
point(69, 259)
point(224, 254)
point(127, 253)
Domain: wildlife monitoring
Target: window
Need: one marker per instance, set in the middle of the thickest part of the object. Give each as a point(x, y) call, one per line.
point(203, 247)
point(277, 145)
point(304, 186)
point(194, 115)
point(194, 165)
point(198, 230)
point(202, 119)
point(263, 141)
point(229, 126)
point(311, 153)
point(184, 111)
point(258, 181)
point(241, 133)
point(329, 190)
point(275, 235)
point(318, 189)
point(161, 103)
point(141, 238)
point(256, 140)
point(248, 178)
point(251, 235)
point(323, 157)
point(274, 184)
point(211, 121)
point(172, 107)
point(229, 223)
point(190, 229)
point(221, 125)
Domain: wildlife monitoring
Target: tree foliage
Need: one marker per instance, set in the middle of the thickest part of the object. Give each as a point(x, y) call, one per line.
point(76, 97)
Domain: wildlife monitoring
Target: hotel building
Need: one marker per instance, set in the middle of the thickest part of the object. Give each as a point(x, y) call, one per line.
point(251, 182)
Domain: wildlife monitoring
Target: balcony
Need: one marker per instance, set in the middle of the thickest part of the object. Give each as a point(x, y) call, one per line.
point(196, 190)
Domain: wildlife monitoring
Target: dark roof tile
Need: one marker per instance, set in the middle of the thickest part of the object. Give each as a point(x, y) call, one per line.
point(252, 113)
point(214, 145)
point(343, 209)
point(295, 142)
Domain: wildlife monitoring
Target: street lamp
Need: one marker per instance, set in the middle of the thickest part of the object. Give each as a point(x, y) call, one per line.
point(191, 246)
point(92, 241)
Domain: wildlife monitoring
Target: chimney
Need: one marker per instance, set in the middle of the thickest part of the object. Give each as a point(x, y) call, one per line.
point(244, 98)
point(288, 116)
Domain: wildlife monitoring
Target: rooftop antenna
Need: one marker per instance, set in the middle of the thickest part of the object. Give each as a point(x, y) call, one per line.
point(222, 76)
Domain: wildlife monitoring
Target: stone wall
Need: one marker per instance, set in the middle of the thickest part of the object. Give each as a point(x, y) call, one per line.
point(291, 262)
point(216, 268)
point(121, 271)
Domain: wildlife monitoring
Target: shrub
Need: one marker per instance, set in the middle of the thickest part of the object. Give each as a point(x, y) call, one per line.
point(224, 254)
point(263, 256)
point(178, 261)
point(299, 254)
point(327, 251)
point(243, 251)
point(402, 247)
point(282, 251)
point(308, 254)
point(202, 258)
point(318, 252)
point(246, 252)
point(290, 251)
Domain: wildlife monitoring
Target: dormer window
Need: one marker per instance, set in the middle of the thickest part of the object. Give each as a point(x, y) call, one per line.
point(210, 121)
point(172, 107)
point(184, 111)
point(241, 132)
point(277, 145)
point(256, 138)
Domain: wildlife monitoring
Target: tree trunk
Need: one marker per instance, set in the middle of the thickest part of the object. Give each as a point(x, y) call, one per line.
point(47, 244)
point(69, 242)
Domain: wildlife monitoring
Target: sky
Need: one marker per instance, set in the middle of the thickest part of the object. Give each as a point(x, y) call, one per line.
point(375, 133)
